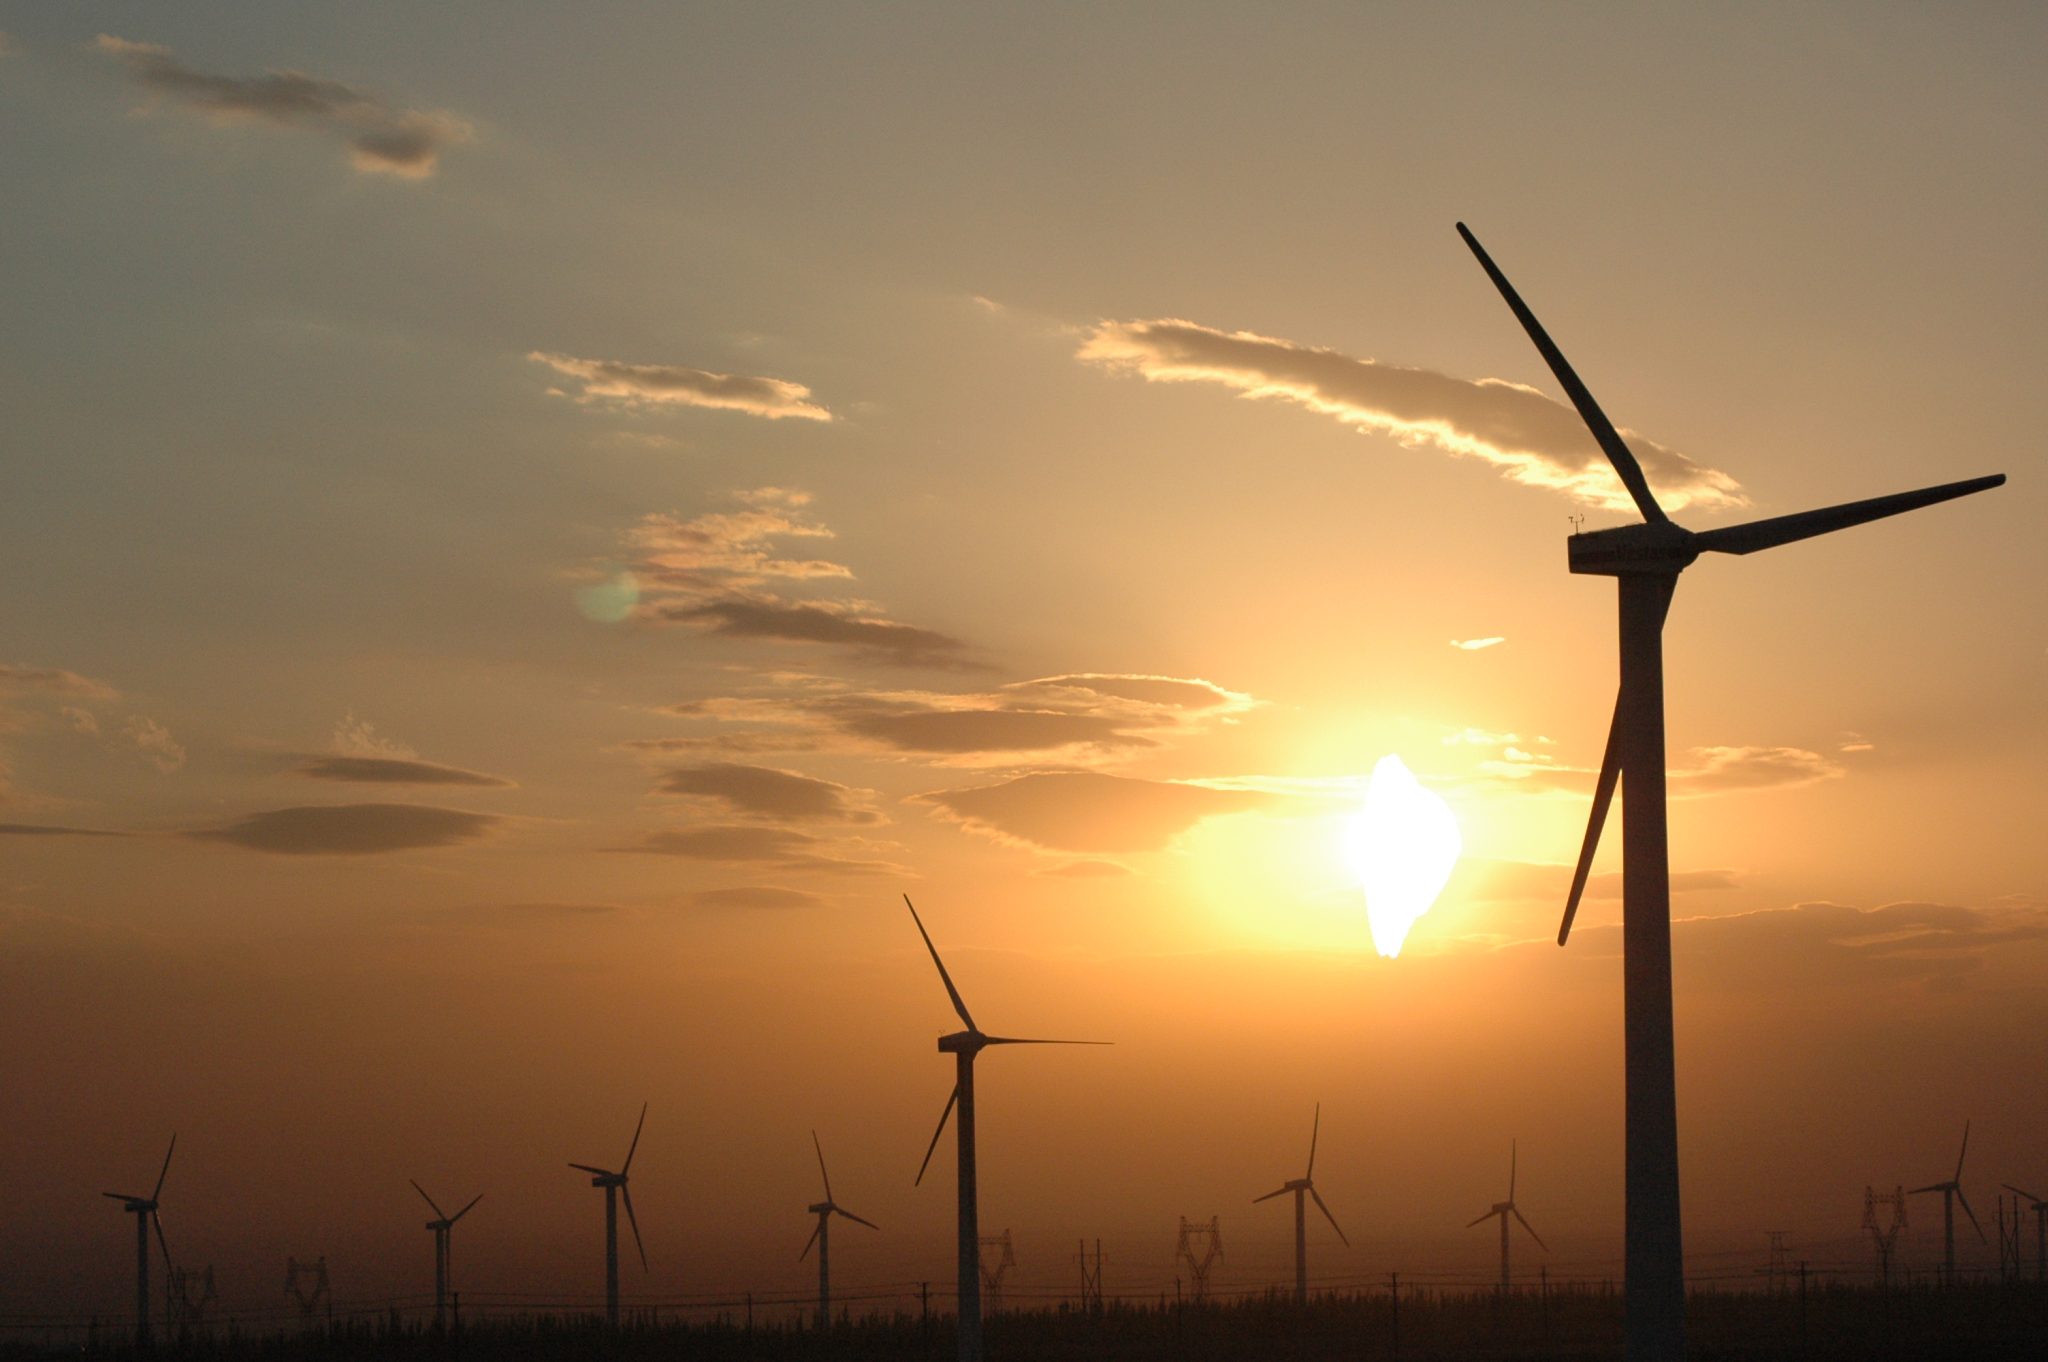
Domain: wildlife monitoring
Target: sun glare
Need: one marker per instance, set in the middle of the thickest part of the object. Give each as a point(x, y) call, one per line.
point(1402, 846)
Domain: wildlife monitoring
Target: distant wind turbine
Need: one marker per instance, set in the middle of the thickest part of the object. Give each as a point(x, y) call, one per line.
point(614, 1185)
point(1952, 1192)
point(2040, 1209)
point(442, 1226)
point(822, 1237)
point(1305, 1184)
point(1504, 1209)
point(1645, 560)
point(964, 1046)
point(144, 1209)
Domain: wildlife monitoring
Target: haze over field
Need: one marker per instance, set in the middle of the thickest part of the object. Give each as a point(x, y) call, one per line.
point(527, 529)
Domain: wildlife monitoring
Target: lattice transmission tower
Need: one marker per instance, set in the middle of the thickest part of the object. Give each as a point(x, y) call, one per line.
point(1199, 1247)
point(996, 1247)
point(187, 1295)
point(306, 1284)
point(1884, 1229)
point(1091, 1275)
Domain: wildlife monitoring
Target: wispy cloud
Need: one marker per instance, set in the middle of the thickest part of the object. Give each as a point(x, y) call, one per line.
point(625, 384)
point(1074, 718)
point(351, 829)
point(1473, 645)
point(769, 792)
point(155, 743)
point(392, 771)
point(382, 138)
point(756, 896)
point(1527, 436)
point(1089, 811)
point(47, 830)
point(18, 678)
point(723, 573)
point(754, 844)
point(1710, 770)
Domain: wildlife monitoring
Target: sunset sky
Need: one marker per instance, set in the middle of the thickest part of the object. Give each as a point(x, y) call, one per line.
point(528, 528)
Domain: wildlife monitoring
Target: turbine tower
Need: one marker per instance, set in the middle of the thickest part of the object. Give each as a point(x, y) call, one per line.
point(443, 1264)
point(1305, 1183)
point(2040, 1209)
point(614, 1185)
point(1952, 1192)
point(1645, 560)
point(143, 1208)
point(822, 1237)
point(964, 1046)
point(1504, 1209)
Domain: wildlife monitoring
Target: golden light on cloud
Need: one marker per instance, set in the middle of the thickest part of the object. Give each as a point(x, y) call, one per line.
point(1403, 846)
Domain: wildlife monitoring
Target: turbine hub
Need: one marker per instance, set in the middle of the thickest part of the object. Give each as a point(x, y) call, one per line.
point(1661, 548)
point(962, 1042)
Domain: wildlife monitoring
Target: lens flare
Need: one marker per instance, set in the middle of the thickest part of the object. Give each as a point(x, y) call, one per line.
point(1402, 846)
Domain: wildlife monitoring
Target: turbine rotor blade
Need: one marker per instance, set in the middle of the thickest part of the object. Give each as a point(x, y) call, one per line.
point(465, 1210)
point(821, 1165)
point(174, 1149)
point(1269, 1196)
point(2028, 1195)
point(1972, 1214)
point(626, 1196)
point(1609, 439)
point(1603, 797)
point(1313, 1132)
point(858, 1220)
point(1327, 1216)
point(429, 1200)
point(1930, 1187)
point(1532, 1231)
point(1959, 1155)
point(1482, 1219)
point(1026, 1040)
point(1787, 529)
point(601, 1172)
point(157, 1222)
point(950, 1100)
point(944, 978)
point(1511, 1172)
point(816, 1230)
point(123, 1196)
point(628, 1164)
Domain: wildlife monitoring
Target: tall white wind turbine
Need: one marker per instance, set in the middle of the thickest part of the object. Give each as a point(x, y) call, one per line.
point(144, 1209)
point(615, 1190)
point(1645, 560)
point(443, 1226)
point(1305, 1186)
point(1952, 1192)
point(964, 1046)
point(822, 1237)
point(1504, 1209)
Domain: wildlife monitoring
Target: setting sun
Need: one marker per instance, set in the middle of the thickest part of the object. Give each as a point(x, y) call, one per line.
point(1403, 846)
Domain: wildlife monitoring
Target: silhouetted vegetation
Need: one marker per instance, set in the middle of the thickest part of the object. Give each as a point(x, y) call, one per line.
point(1824, 1322)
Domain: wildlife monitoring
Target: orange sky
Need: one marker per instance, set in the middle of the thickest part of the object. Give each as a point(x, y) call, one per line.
point(525, 538)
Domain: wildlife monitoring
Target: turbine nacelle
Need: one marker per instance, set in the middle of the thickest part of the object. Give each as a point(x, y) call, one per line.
point(963, 1043)
point(1658, 547)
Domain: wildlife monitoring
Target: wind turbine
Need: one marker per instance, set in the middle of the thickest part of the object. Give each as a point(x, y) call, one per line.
point(143, 1208)
point(1952, 1192)
point(2040, 1232)
point(1645, 560)
point(964, 1046)
point(443, 1268)
point(614, 1185)
point(1305, 1183)
point(1504, 1209)
point(822, 1237)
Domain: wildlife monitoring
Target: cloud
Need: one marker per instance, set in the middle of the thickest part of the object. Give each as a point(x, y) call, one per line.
point(1085, 870)
point(745, 844)
point(1473, 645)
point(351, 829)
point(45, 830)
point(1822, 945)
point(720, 573)
point(768, 792)
point(756, 896)
point(155, 743)
point(52, 681)
point(1075, 717)
point(1530, 438)
point(382, 138)
point(867, 636)
point(1088, 811)
point(392, 771)
point(1499, 881)
point(1714, 770)
point(676, 385)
